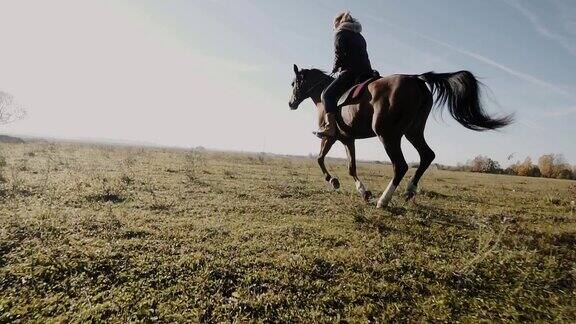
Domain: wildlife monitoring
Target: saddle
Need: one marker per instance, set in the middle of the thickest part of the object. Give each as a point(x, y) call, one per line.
point(354, 94)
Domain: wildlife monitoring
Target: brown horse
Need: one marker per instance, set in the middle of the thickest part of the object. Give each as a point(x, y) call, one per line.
point(392, 107)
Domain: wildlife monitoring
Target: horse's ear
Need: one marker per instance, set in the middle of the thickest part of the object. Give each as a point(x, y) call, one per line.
point(295, 69)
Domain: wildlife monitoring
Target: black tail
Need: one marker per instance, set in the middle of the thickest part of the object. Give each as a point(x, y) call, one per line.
point(460, 91)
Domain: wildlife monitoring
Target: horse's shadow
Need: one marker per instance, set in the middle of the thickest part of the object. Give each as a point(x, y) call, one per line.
point(425, 215)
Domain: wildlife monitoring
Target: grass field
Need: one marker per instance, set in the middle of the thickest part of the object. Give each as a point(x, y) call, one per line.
point(125, 234)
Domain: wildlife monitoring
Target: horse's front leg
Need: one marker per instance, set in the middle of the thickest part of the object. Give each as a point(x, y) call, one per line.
point(351, 152)
point(325, 146)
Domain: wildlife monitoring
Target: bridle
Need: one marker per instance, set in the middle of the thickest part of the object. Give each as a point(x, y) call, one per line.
point(312, 88)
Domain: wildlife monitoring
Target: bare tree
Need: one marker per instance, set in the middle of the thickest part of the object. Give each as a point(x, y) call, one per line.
point(10, 110)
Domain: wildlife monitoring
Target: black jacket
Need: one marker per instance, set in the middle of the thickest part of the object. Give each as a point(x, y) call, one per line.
point(350, 52)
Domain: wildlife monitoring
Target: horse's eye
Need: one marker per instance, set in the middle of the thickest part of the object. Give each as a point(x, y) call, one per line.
point(292, 83)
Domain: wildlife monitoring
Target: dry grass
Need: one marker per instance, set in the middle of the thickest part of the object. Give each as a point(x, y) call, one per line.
point(127, 234)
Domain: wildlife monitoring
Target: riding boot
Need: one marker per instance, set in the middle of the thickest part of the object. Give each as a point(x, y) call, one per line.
point(330, 125)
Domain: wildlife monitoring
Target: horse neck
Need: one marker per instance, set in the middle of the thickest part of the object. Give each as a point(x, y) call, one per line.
point(316, 95)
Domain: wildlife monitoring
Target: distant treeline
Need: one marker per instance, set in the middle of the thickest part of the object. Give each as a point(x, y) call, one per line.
point(549, 166)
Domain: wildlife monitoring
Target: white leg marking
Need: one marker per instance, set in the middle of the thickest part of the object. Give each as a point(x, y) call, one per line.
point(334, 182)
point(360, 187)
point(386, 196)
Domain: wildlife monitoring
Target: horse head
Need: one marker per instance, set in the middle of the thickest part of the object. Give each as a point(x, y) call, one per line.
point(306, 84)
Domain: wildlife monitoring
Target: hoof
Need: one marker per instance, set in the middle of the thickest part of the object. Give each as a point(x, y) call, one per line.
point(335, 183)
point(410, 192)
point(381, 204)
point(320, 135)
point(409, 195)
point(367, 195)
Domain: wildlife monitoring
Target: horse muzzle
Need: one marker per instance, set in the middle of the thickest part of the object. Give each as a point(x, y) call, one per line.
point(294, 103)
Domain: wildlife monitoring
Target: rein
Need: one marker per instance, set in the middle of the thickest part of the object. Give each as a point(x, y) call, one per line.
point(316, 85)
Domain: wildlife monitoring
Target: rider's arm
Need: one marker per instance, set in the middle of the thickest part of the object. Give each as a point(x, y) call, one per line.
point(339, 51)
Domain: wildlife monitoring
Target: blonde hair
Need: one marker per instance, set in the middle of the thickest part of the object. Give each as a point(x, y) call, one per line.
point(342, 17)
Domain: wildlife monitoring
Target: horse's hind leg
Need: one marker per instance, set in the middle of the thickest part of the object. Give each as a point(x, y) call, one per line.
point(416, 137)
point(325, 146)
point(394, 151)
point(351, 152)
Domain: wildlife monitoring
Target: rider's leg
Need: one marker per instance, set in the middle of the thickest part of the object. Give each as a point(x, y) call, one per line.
point(330, 98)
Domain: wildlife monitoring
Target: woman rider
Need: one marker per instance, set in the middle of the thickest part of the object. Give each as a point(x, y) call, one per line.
point(351, 60)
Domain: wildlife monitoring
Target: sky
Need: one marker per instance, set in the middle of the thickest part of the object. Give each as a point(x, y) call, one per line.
point(217, 73)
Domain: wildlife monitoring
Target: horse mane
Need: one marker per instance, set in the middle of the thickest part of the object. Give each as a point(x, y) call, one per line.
point(320, 72)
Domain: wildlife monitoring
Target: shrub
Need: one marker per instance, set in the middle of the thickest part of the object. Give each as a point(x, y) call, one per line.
point(554, 166)
point(194, 164)
point(565, 174)
point(2, 178)
point(526, 169)
point(484, 164)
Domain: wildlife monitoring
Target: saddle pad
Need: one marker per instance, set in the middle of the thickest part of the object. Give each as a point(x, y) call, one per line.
point(353, 95)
